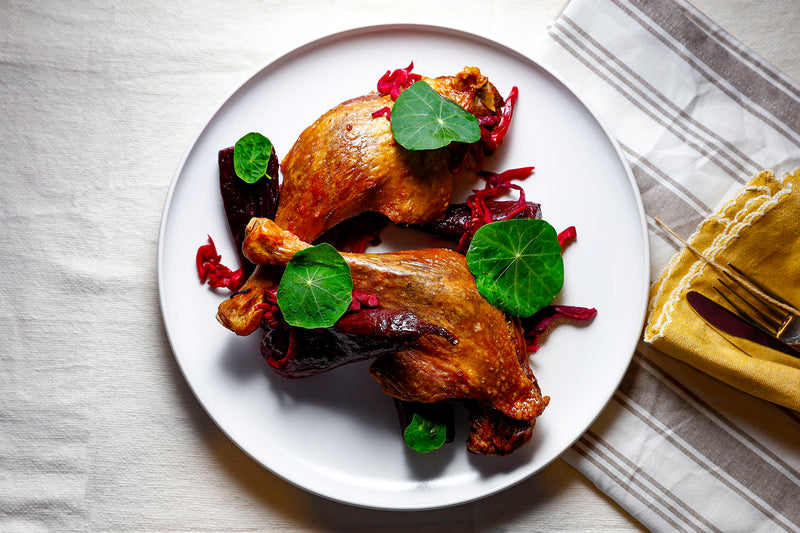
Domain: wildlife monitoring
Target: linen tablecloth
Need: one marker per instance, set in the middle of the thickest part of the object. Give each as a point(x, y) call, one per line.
point(98, 430)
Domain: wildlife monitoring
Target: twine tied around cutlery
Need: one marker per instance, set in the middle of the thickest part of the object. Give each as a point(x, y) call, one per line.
point(758, 231)
point(733, 274)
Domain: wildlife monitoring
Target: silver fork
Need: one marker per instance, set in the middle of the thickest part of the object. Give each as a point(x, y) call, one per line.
point(760, 307)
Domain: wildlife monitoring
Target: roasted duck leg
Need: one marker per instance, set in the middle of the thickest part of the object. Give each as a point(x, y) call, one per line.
point(348, 163)
point(486, 365)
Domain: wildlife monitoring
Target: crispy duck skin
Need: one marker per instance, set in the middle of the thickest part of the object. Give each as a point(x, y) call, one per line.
point(348, 163)
point(437, 286)
point(492, 432)
point(242, 311)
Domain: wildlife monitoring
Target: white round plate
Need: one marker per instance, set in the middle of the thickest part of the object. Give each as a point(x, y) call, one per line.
point(337, 434)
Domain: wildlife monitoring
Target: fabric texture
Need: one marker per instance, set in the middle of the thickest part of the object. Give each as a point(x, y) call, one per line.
point(696, 115)
point(98, 428)
point(758, 232)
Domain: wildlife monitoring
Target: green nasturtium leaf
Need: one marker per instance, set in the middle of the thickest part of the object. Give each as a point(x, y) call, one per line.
point(424, 435)
point(517, 264)
point(422, 119)
point(251, 156)
point(316, 288)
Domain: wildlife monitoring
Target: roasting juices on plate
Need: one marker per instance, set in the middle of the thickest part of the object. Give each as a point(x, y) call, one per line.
point(442, 326)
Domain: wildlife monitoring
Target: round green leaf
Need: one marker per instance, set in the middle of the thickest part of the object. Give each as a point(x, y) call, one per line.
point(251, 156)
point(422, 119)
point(517, 264)
point(316, 288)
point(424, 435)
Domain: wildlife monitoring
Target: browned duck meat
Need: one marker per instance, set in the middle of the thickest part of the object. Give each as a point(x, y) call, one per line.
point(348, 163)
point(487, 365)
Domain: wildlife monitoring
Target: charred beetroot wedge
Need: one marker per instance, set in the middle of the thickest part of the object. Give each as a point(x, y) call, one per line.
point(538, 325)
point(458, 218)
point(244, 201)
point(390, 323)
point(460, 222)
point(358, 335)
point(360, 232)
point(299, 353)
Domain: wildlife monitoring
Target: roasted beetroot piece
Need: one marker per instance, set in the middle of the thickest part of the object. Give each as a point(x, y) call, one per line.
point(457, 218)
point(244, 201)
point(363, 334)
point(440, 413)
point(211, 270)
point(299, 353)
point(538, 325)
point(390, 323)
point(478, 202)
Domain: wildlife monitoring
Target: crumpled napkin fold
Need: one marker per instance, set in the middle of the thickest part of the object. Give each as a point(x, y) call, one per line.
point(758, 231)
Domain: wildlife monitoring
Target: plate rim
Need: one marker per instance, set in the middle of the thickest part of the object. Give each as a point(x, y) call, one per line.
point(321, 40)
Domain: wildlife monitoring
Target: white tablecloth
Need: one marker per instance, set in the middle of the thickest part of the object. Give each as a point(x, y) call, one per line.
point(98, 430)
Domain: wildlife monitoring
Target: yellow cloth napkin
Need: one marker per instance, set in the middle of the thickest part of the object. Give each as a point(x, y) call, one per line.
point(758, 232)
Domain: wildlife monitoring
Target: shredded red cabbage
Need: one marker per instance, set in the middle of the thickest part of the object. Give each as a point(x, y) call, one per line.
point(384, 111)
point(272, 317)
point(538, 325)
point(494, 138)
point(394, 82)
point(362, 300)
point(496, 184)
point(493, 133)
point(567, 236)
point(211, 270)
point(273, 323)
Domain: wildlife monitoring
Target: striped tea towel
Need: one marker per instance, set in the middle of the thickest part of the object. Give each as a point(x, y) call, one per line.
point(696, 115)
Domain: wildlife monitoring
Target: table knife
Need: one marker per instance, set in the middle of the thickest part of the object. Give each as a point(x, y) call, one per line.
point(728, 322)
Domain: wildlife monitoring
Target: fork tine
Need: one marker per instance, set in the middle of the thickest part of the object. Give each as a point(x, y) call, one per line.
point(759, 287)
point(770, 321)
